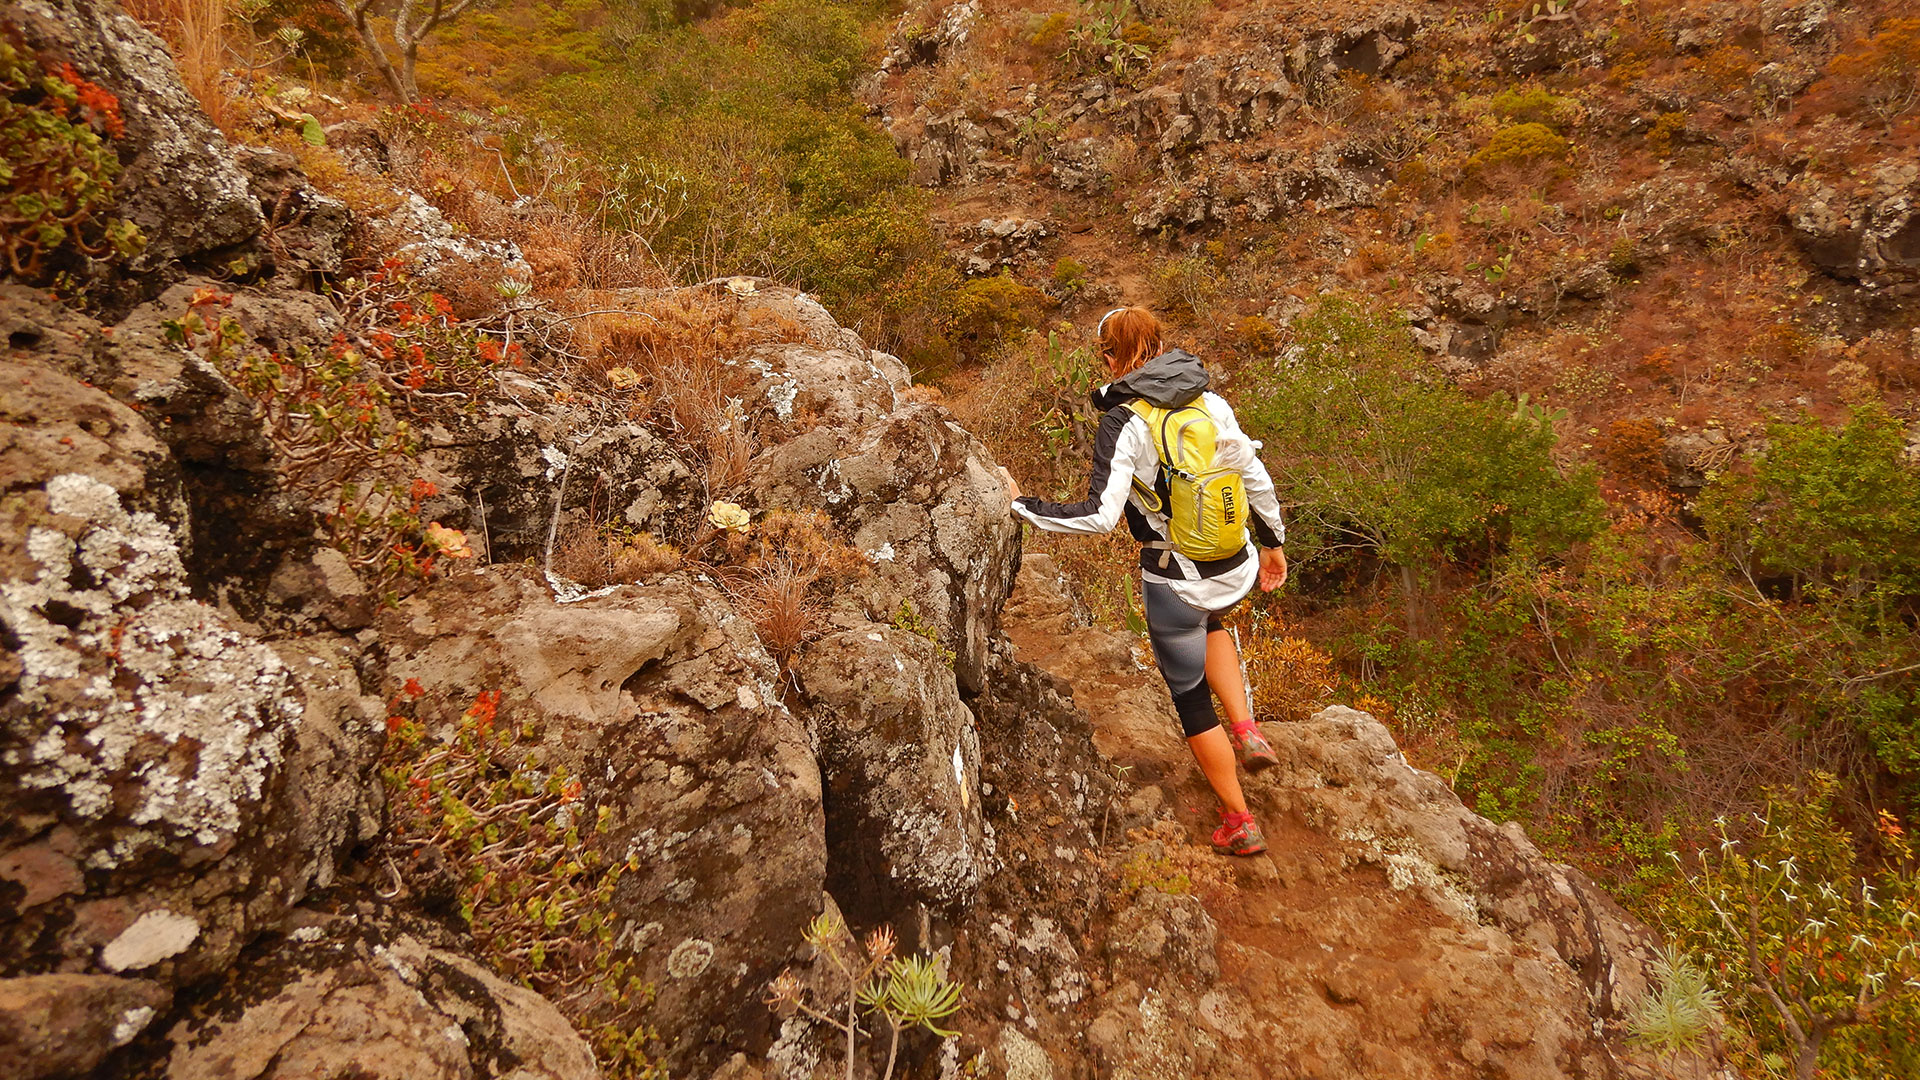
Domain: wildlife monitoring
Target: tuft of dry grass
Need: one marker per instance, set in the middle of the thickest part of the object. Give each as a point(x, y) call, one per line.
point(199, 36)
point(789, 579)
point(597, 556)
point(777, 597)
point(1291, 679)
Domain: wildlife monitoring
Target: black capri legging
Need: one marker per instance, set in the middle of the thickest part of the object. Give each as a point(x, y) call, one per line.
point(1178, 632)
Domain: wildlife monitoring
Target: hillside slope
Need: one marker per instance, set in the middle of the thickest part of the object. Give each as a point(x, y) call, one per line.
point(400, 693)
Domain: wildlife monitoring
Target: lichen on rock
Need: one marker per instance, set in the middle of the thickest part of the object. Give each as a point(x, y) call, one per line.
point(144, 698)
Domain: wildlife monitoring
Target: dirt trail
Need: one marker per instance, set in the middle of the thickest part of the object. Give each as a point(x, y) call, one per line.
point(1337, 954)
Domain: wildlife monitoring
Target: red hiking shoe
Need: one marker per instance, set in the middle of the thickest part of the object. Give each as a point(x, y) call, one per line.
point(1255, 752)
point(1238, 835)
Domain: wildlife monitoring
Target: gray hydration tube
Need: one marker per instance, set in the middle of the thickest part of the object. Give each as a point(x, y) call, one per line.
point(1246, 684)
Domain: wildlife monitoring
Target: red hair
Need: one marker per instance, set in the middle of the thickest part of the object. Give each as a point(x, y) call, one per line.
point(1129, 337)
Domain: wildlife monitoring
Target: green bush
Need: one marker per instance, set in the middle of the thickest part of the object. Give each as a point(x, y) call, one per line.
point(1827, 508)
point(989, 309)
point(1190, 286)
point(1534, 105)
point(1521, 142)
point(743, 150)
point(1069, 275)
point(1380, 454)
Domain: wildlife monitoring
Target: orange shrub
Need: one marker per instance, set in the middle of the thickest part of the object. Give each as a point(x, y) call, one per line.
point(1291, 679)
point(1881, 73)
point(1632, 451)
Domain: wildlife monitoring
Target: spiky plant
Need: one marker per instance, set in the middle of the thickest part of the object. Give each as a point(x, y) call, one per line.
point(1681, 1010)
point(906, 992)
point(911, 992)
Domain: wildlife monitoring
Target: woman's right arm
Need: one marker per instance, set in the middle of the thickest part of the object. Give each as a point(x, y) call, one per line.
point(1116, 449)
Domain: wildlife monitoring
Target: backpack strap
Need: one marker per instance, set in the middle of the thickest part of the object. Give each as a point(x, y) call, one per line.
point(1149, 497)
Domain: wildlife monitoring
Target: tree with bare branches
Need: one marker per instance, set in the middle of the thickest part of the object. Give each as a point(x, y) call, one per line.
point(413, 22)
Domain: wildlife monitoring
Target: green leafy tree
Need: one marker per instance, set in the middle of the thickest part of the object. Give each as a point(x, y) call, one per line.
point(1805, 940)
point(1838, 509)
point(1377, 453)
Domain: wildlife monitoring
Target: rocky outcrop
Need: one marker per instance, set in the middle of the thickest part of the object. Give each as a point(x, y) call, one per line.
point(183, 191)
point(240, 518)
point(174, 782)
point(920, 44)
point(1390, 931)
point(661, 701)
point(906, 484)
point(900, 763)
point(1002, 241)
point(360, 989)
point(1870, 234)
point(64, 1025)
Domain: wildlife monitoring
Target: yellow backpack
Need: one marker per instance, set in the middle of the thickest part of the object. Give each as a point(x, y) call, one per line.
point(1206, 508)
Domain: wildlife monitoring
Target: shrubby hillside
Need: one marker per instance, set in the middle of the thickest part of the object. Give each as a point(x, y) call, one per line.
point(504, 574)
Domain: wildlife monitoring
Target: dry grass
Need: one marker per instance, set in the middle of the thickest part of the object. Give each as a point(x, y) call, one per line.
point(200, 37)
point(669, 354)
point(778, 598)
point(787, 583)
point(597, 556)
point(1291, 679)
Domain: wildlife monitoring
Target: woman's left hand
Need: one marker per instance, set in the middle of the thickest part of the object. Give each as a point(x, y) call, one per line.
point(1013, 486)
point(1273, 568)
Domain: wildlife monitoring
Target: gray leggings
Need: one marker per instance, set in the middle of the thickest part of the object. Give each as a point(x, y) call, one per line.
point(1178, 632)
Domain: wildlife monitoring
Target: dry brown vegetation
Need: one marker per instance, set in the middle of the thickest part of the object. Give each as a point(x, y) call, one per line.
point(198, 34)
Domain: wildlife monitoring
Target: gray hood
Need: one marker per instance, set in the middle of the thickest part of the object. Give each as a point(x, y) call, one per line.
point(1170, 380)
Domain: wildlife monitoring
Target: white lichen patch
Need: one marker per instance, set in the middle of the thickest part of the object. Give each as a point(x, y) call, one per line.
point(153, 937)
point(131, 1023)
point(1024, 1057)
point(689, 958)
point(400, 967)
point(1407, 869)
point(781, 396)
point(145, 705)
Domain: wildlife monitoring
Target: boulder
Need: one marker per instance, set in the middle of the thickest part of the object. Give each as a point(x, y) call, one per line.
point(242, 521)
point(180, 187)
point(661, 702)
point(64, 1025)
point(1691, 456)
point(914, 43)
point(366, 991)
point(900, 768)
point(1234, 103)
point(173, 783)
point(946, 149)
point(1869, 232)
point(1159, 934)
point(1465, 318)
point(305, 231)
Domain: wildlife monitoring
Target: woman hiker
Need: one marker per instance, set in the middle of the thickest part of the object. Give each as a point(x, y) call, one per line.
point(1184, 598)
